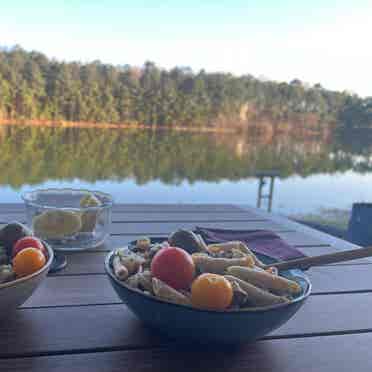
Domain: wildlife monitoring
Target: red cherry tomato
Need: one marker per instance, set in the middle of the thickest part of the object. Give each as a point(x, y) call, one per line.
point(28, 242)
point(173, 266)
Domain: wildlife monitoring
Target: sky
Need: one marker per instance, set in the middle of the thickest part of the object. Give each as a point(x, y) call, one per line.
point(325, 41)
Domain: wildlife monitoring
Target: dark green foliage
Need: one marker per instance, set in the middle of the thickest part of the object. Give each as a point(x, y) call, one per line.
point(32, 155)
point(356, 113)
point(35, 87)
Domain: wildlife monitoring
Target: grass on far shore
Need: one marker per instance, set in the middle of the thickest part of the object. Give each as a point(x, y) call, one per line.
point(334, 217)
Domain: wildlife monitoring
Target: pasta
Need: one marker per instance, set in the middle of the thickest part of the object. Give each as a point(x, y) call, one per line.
point(121, 272)
point(240, 297)
point(208, 264)
point(165, 292)
point(248, 283)
point(234, 247)
point(145, 280)
point(255, 295)
point(143, 244)
point(265, 280)
point(133, 281)
point(6, 273)
point(131, 261)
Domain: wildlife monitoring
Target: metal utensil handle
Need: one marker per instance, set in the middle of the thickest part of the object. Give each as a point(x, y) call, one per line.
point(324, 259)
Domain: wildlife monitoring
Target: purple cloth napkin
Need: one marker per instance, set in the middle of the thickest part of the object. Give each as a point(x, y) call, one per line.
point(260, 241)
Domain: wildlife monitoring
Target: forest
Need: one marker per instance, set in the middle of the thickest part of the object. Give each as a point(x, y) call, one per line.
point(34, 87)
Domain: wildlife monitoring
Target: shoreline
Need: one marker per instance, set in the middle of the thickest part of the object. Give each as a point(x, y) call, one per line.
point(256, 129)
point(80, 124)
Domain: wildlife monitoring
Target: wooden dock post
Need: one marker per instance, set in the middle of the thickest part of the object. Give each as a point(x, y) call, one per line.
point(262, 176)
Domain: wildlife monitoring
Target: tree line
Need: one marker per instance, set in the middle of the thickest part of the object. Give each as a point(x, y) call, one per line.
point(35, 87)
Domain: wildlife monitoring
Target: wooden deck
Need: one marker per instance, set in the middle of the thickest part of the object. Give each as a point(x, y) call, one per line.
point(75, 321)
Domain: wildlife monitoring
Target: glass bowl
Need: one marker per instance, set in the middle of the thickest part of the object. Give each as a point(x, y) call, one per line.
point(69, 219)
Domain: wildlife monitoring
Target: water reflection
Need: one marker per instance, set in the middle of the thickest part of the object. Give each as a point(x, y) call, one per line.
point(31, 155)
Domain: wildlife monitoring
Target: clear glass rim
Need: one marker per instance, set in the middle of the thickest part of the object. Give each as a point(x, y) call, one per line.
point(27, 198)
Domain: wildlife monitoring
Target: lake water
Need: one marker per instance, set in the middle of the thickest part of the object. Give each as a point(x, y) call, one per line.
point(177, 167)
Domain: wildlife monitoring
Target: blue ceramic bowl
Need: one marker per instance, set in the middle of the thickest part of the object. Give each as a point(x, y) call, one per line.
point(204, 326)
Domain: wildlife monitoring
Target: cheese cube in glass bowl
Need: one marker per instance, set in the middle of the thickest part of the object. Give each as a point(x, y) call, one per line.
point(69, 219)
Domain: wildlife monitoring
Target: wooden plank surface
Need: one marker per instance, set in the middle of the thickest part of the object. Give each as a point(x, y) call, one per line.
point(96, 289)
point(143, 217)
point(316, 354)
point(341, 278)
point(292, 237)
point(295, 226)
point(61, 329)
point(140, 208)
point(152, 228)
point(84, 328)
point(73, 290)
point(92, 262)
point(76, 311)
point(184, 213)
point(303, 242)
point(130, 228)
point(122, 233)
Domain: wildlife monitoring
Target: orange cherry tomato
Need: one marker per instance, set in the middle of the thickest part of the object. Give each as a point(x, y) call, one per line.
point(211, 292)
point(27, 261)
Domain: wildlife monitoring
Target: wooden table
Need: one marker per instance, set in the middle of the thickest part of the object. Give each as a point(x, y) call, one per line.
point(75, 321)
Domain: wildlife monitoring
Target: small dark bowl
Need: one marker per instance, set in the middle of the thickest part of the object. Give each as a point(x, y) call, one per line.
point(16, 292)
point(203, 326)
